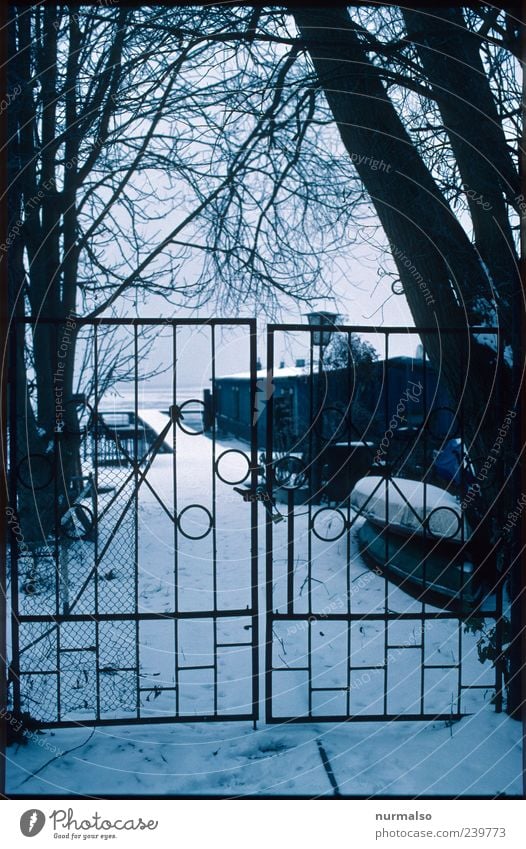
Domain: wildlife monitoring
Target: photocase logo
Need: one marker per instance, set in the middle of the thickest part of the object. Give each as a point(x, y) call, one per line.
point(32, 822)
point(264, 392)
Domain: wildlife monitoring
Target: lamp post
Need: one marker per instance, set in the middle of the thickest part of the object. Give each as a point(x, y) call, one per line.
point(324, 322)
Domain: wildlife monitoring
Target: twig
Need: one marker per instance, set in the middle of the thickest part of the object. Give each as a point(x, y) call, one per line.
point(56, 757)
point(328, 768)
point(280, 641)
point(365, 571)
point(317, 581)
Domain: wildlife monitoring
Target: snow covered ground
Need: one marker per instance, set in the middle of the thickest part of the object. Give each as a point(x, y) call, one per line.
point(479, 755)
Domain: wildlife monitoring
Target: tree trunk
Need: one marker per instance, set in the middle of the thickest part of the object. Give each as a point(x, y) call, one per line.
point(425, 236)
point(450, 56)
point(40, 454)
point(423, 231)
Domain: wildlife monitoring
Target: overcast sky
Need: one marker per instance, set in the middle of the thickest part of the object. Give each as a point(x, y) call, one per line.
point(358, 297)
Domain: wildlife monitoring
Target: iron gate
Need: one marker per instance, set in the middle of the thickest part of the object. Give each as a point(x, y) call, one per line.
point(356, 629)
point(139, 601)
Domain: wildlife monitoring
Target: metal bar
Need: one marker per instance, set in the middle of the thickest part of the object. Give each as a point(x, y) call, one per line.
point(309, 667)
point(254, 563)
point(175, 525)
point(349, 661)
point(275, 797)
point(235, 612)
point(269, 563)
point(62, 576)
point(59, 676)
point(499, 624)
point(290, 551)
point(7, 378)
point(313, 479)
point(105, 617)
point(159, 500)
point(424, 568)
point(155, 720)
point(214, 512)
point(40, 672)
point(388, 479)
point(387, 329)
point(370, 717)
point(147, 322)
point(360, 512)
point(136, 516)
point(96, 513)
point(460, 649)
point(109, 670)
point(14, 671)
point(348, 548)
point(408, 504)
point(81, 648)
point(290, 669)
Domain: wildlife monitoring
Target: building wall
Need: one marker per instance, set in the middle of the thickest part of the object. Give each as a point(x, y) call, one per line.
point(296, 400)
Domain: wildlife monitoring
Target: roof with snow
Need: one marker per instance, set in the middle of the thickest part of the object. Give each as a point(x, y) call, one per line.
point(304, 371)
point(287, 371)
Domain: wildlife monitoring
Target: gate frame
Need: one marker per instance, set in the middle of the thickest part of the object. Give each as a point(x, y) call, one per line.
point(253, 612)
point(18, 325)
point(349, 617)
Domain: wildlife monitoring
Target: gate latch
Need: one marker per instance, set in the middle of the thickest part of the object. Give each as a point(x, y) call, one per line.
point(260, 493)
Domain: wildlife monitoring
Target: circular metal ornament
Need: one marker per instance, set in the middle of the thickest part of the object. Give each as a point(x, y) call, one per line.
point(337, 535)
point(290, 471)
point(180, 420)
point(437, 534)
point(82, 522)
point(237, 480)
point(35, 471)
point(195, 507)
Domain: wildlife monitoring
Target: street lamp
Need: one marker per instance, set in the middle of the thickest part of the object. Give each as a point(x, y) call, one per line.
point(324, 322)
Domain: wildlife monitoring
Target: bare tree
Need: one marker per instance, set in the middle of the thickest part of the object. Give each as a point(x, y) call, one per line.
point(135, 156)
point(219, 125)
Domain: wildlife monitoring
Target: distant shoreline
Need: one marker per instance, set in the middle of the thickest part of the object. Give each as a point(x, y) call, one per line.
point(149, 397)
